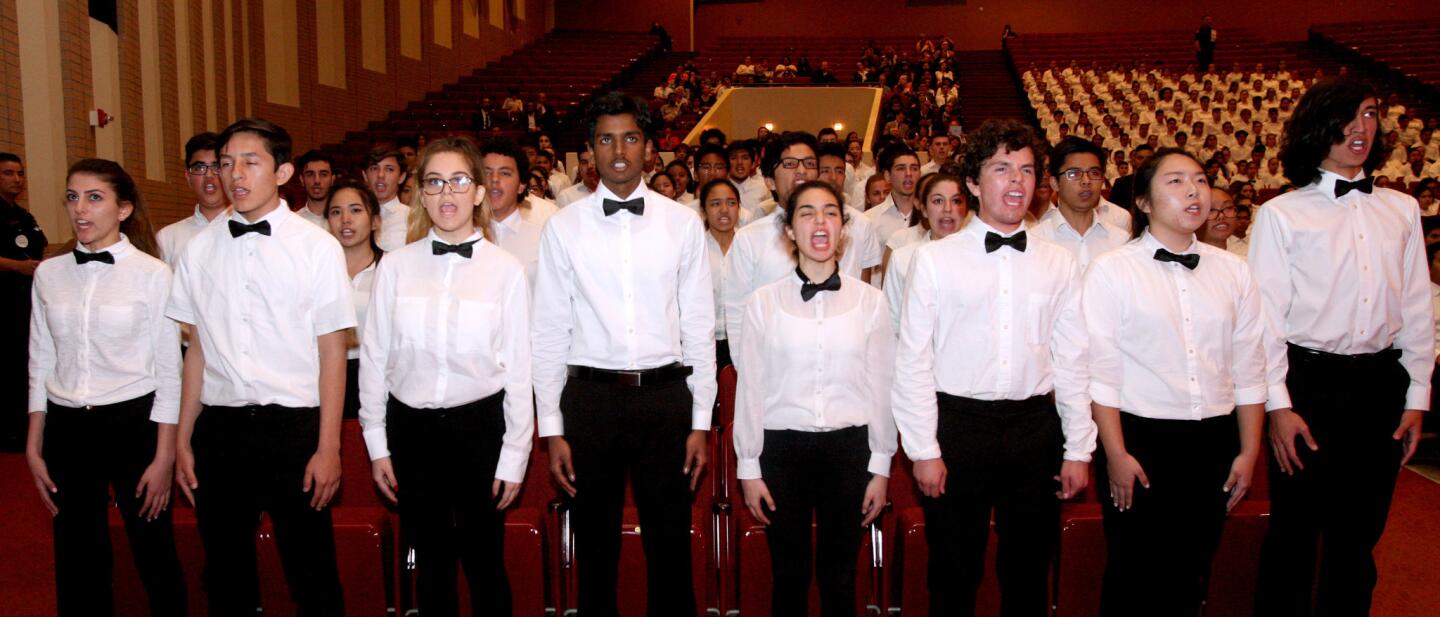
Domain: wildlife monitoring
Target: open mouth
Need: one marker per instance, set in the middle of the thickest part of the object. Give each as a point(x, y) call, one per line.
point(239, 193)
point(820, 240)
point(1014, 198)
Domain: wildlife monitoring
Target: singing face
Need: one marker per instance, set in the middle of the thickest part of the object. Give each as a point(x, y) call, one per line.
point(1004, 187)
point(449, 195)
point(350, 220)
point(95, 211)
point(816, 225)
point(1178, 198)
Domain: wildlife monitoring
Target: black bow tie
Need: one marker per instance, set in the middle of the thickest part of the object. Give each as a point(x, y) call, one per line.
point(464, 249)
point(1190, 261)
point(103, 257)
point(1342, 187)
point(635, 206)
point(994, 241)
point(238, 229)
point(808, 289)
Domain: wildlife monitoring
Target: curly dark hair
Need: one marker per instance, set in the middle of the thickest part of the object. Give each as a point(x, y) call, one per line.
point(506, 147)
point(984, 142)
point(1318, 123)
point(618, 104)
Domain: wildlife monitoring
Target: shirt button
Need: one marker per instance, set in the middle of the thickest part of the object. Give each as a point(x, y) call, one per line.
point(1192, 352)
point(630, 330)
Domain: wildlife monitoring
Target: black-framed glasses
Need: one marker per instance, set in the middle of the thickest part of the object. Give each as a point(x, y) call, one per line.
point(1229, 213)
point(791, 162)
point(1074, 174)
point(202, 169)
point(436, 186)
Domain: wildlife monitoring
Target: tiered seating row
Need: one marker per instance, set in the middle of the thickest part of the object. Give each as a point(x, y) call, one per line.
point(1172, 48)
point(841, 52)
point(731, 558)
point(1409, 47)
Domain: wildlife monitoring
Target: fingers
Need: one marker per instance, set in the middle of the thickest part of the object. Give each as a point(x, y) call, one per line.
point(1411, 442)
point(46, 488)
point(1309, 441)
point(871, 509)
point(146, 501)
point(564, 474)
point(1277, 449)
point(1144, 479)
point(505, 491)
point(694, 465)
point(1238, 487)
point(327, 493)
point(186, 489)
point(386, 483)
point(1120, 495)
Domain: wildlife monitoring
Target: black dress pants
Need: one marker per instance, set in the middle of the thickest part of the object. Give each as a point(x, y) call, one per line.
point(248, 461)
point(1334, 510)
point(1160, 550)
point(444, 462)
point(621, 433)
point(89, 452)
point(819, 478)
point(1001, 456)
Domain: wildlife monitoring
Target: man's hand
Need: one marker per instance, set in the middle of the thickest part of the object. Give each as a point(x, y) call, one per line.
point(757, 499)
point(697, 453)
point(382, 471)
point(185, 471)
point(1285, 425)
point(1408, 434)
point(1074, 477)
point(561, 469)
point(1124, 471)
point(930, 476)
point(323, 475)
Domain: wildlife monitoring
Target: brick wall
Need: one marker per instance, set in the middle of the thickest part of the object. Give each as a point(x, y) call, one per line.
point(12, 119)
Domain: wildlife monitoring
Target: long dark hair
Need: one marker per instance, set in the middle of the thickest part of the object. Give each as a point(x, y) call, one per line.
point(137, 227)
point(367, 197)
point(1318, 123)
point(1144, 177)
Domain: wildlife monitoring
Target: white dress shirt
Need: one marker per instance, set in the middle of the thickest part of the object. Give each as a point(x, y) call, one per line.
point(1102, 236)
point(623, 292)
point(173, 238)
point(817, 366)
point(360, 287)
point(929, 168)
point(717, 257)
point(1005, 325)
point(320, 220)
point(887, 218)
point(394, 223)
point(259, 303)
point(559, 182)
point(1347, 276)
point(1170, 343)
point(1435, 303)
point(898, 271)
point(519, 233)
point(99, 336)
point(444, 331)
point(761, 254)
point(1238, 246)
point(575, 193)
point(753, 193)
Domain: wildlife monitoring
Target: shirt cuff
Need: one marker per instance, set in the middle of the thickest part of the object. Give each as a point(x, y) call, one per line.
point(1104, 394)
point(924, 453)
point(550, 426)
point(747, 469)
point(511, 467)
point(184, 317)
point(879, 464)
point(376, 443)
point(1418, 397)
point(1252, 395)
point(700, 419)
point(1279, 398)
point(1078, 457)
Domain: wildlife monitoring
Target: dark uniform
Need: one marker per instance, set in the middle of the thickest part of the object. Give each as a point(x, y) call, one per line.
point(20, 238)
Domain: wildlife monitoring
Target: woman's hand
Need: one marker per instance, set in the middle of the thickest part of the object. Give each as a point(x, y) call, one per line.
point(1124, 471)
point(756, 493)
point(874, 502)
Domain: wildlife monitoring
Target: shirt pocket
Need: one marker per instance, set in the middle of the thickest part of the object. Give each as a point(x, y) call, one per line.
point(411, 320)
point(120, 326)
point(1039, 317)
point(475, 328)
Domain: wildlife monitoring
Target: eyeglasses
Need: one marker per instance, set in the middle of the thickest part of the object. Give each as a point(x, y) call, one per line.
point(436, 186)
point(1075, 173)
point(201, 169)
point(794, 163)
point(1229, 213)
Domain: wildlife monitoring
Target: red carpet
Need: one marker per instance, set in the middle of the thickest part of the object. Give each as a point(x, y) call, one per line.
point(1409, 581)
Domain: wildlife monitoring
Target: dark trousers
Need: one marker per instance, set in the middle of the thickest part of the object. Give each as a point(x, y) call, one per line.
point(722, 354)
point(1159, 551)
point(1334, 510)
point(248, 461)
point(1002, 456)
point(14, 369)
point(352, 389)
point(444, 463)
point(89, 452)
point(819, 477)
point(617, 433)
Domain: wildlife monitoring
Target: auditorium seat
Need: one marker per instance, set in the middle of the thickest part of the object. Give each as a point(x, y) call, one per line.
point(1408, 47)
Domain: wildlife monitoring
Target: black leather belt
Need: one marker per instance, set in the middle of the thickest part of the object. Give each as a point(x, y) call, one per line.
point(645, 377)
point(1385, 355)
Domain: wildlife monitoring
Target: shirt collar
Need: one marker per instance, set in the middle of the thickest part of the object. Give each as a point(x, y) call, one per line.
point(1151, 242)
point(117, 250)
point(391, 205)
point(605, 193)
point(276, 217)
point(979, 228)
point(1326, 183)
point(435, 237)
point(512, 222)
point(199, 216)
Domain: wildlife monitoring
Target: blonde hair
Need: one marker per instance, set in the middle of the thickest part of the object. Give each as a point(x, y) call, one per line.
point(419, 223)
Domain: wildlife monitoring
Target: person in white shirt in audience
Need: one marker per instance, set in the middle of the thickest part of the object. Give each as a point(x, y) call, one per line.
point(662, 184)
point(545, 161)
point(385, 171)
point(991, 381)
point(813, 432)
point(720, 203)
point(861, 238)
point(623, 340)
point(679, 173)
point(445, 383)
point(944, 210)
point(1079, 222)
point(1271, 177)
point(516, 219)
point(263, 384)
point(939, 155)
point(901, 168)
point(353, 217)
point(202, 170)
point(744, 173)
point(1341, 265)
point(1424, 193)
point(1197, 442)
point(317, 173)
point(1432, 257)
point(877, 191)
point(1219, 229)
point(104, 395)
point(586, 180)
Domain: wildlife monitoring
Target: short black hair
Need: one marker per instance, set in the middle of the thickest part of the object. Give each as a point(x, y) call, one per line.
point(412, 141)
point(1073, 145)
point(709, 134)
point(618, 103)
point(10, 157)
point(506, 147)
point(200, 142)
point(381, 153)
point(830, 149)
point(993, 135)
point(829, 130)
point(709, 149)
point(748, 145)
point(1142, 146)
point(314, 156)
point(276, 138)
point(1144, 175)
point(889, 154)
point(1318, 122)
point(774, 149)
